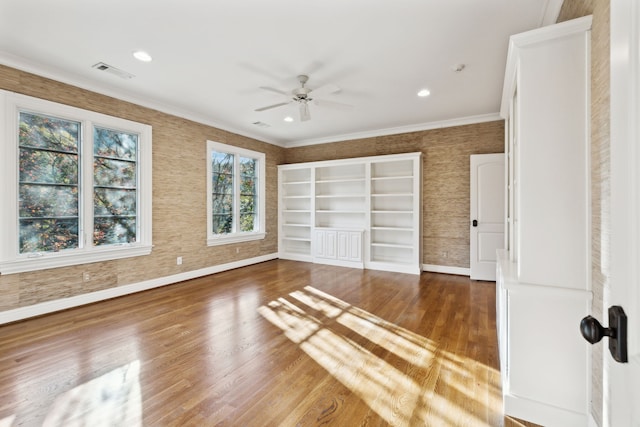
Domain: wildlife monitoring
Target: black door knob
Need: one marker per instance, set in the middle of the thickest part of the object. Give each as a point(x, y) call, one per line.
point(593, 332)
point(475, 223)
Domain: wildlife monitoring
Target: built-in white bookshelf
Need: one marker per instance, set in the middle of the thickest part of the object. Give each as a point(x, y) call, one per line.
point(361, 212)
point(295, 212)
point(395, 214)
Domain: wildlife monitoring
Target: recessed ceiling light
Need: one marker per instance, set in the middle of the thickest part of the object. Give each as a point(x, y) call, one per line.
point(288, 119)
point(141, 55)
point(424, 92)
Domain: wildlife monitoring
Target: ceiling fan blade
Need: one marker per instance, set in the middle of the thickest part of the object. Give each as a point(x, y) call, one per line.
point(304, 112)
point(332, 104)
point(268, 107)
point(272, 89)
point(327, 89)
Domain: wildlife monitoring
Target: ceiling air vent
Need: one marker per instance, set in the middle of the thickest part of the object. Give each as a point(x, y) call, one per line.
point(261, 124)
point(113, 70)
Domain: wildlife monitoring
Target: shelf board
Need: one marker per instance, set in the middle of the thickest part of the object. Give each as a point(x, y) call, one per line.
point(296, 197)
point(297, 239)
point(392, 195)
point(322, 181)
point(295, 225)
point(392, 212)
point(383, 178)
point(392, 228)
point(391, 245)
point(297, 210)
point(296, 182)
point(338, 196)
point(339, 212)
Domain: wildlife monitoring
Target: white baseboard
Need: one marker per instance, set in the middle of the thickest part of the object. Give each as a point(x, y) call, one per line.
point(542, 413)
point(458, 271)
point(75, 301)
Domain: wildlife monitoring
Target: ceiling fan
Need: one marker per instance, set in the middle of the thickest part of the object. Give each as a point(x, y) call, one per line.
point(303, 95)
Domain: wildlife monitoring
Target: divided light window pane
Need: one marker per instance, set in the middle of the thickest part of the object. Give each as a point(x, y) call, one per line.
point(48, 206)
point(115, 187)
point(248, 194)
point(222, 169)
point(235, 203)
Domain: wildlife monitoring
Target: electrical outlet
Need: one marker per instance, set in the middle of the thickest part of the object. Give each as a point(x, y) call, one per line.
point(179, 260)
point(86, 276)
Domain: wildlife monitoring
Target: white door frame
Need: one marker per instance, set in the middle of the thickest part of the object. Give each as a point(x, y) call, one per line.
point(621, 382)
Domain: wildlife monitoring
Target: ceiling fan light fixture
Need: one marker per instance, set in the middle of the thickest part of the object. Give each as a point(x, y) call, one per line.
point(422, 93)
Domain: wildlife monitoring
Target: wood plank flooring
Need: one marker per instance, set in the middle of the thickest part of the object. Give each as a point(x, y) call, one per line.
point(281, 343)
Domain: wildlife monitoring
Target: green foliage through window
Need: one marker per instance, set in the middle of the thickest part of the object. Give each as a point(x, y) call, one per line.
point(48, 203)
point(114, 187)
point(225, 219)
point(50, 184)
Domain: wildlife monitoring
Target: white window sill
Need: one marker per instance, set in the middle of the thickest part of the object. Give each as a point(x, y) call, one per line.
point(234, 238)
point(61, 259)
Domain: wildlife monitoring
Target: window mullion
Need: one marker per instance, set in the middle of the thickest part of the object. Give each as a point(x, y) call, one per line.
point(86, 186)
point(236, 193)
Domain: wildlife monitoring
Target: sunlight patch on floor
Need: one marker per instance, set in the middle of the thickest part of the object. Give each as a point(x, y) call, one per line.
point(113, 399)
point(313, 320)
point(7, 421)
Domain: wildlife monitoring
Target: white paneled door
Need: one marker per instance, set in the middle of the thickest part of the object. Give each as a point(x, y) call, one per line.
point(487, 214)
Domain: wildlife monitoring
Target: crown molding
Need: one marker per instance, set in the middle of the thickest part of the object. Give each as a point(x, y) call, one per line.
point(482, 118)
point(56, 74)
point(74, 80)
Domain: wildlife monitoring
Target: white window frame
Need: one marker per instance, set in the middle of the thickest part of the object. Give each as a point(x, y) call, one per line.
point(236, 236)
point(11, 261)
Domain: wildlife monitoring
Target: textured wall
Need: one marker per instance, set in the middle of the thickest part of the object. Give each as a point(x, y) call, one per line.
point(179, 216)
point(446, 178)
point(600, 176)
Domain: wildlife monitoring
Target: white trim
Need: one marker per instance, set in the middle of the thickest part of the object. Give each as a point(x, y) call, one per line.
point(551, 12)
point(541, 412)
point(88, 298)
point(470, 120)
point(76, 81)
point(529, 38)
point(458, 271)
point(60, 76)
point(11, 104)
point(237, 236)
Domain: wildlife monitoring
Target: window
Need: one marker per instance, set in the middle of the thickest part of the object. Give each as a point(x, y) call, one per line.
point(235, 194)
point(78, 186)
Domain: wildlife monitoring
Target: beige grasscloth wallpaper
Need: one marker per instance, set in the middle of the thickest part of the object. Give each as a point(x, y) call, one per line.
point(179, 203)
point(179, 222)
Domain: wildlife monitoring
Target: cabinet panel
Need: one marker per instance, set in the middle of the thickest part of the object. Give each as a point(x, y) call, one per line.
point(543, 284)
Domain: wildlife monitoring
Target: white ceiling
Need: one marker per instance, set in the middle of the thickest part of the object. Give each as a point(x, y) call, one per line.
point(210, 58)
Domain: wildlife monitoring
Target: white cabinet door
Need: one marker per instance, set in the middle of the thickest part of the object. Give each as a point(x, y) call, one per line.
point(487, 214)
point(349, 246)
point(326, 244)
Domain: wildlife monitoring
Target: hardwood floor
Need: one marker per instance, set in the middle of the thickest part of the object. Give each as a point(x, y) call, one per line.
point(281, 343)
